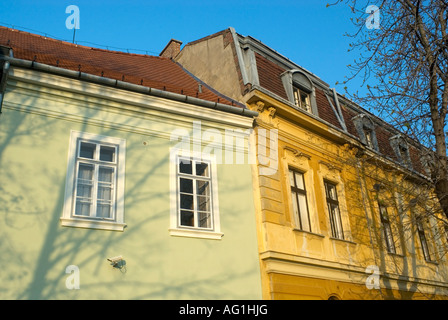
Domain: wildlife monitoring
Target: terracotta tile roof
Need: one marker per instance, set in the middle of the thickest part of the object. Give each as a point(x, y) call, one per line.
point(150, 71)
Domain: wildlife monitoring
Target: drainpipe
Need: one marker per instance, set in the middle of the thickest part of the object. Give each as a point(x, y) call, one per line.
point(5, 71)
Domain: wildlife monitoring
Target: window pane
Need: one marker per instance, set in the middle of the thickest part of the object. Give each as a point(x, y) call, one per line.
point(204, 220)
point(337, 223)
point(203, 188)
point(85, 172)
point(304, 100)
point(87, 150)
point(296, 209)
point(82, 208)
point(106, 174)
point(185, 166)
point(186, 185)
point(368, 135)
point(104, 192)
point(299, 180)
point(186, 201)
point(331, 191)
point(84, 191)
point(103, 210)
point(304, 212)
point(202, 169)
point(296, 97)
point(389, 238)
point(383, 212)
point(203, 203)
point(291, 178)
point(187, 218)
point(107, 154)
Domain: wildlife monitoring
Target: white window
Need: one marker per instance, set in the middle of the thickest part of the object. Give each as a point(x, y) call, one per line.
point(195, 210)
point(95, 182)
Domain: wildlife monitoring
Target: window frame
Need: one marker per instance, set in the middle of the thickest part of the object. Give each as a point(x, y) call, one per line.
point(297, 92)
point(424, 241)
point(387, 229)
point(70, 217)
point(337, 229)
point(402, 150)
point(176, 228)
point(297, 79)
point(366, 131)
point(295, 191)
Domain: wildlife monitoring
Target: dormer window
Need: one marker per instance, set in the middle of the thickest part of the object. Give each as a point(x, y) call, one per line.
point(366, 131)
point(300, 90)
point(302, 99)
point(401, 149)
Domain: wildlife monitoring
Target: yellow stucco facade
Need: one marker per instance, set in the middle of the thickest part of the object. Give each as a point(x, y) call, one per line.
point(315, 264)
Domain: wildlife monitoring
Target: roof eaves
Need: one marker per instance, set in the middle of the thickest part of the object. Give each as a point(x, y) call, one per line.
point(127, 86)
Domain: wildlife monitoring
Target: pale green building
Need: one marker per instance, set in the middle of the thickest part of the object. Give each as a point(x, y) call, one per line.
point(121, 177)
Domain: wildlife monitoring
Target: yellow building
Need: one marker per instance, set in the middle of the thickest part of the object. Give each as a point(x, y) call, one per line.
point(341, 204)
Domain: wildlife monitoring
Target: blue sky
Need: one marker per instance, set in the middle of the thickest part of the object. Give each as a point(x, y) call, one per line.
point(307, 32)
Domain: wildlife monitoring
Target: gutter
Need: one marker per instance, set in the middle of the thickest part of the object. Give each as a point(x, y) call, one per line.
point(125, 86)
point(4, 77)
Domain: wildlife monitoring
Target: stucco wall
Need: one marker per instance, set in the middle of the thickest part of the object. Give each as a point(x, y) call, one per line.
point(34, 135)
point(214, 62)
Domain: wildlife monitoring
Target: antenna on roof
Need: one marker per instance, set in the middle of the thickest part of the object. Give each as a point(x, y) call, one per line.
point(74, 32)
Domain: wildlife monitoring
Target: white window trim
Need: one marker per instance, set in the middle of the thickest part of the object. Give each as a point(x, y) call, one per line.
point(68, 219)
point(175, 229)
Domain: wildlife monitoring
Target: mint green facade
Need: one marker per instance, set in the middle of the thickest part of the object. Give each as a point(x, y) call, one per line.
point(39, 112)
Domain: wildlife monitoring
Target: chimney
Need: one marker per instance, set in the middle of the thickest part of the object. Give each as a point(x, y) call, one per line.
point(171, 49)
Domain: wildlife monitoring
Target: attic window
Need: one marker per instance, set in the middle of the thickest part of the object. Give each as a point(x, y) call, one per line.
point(300, 90)
point(366, 131)
point(401, 149)
point(302, 99)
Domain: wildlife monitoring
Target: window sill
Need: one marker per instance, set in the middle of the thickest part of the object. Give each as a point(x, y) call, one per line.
point(92, 224)
point(394, 254)
point(343, 240)
point(308, 232)
point(202, 234)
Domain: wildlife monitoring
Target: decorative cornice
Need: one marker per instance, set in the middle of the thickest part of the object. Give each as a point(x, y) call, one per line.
point(297, 153)
point(330, 166)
